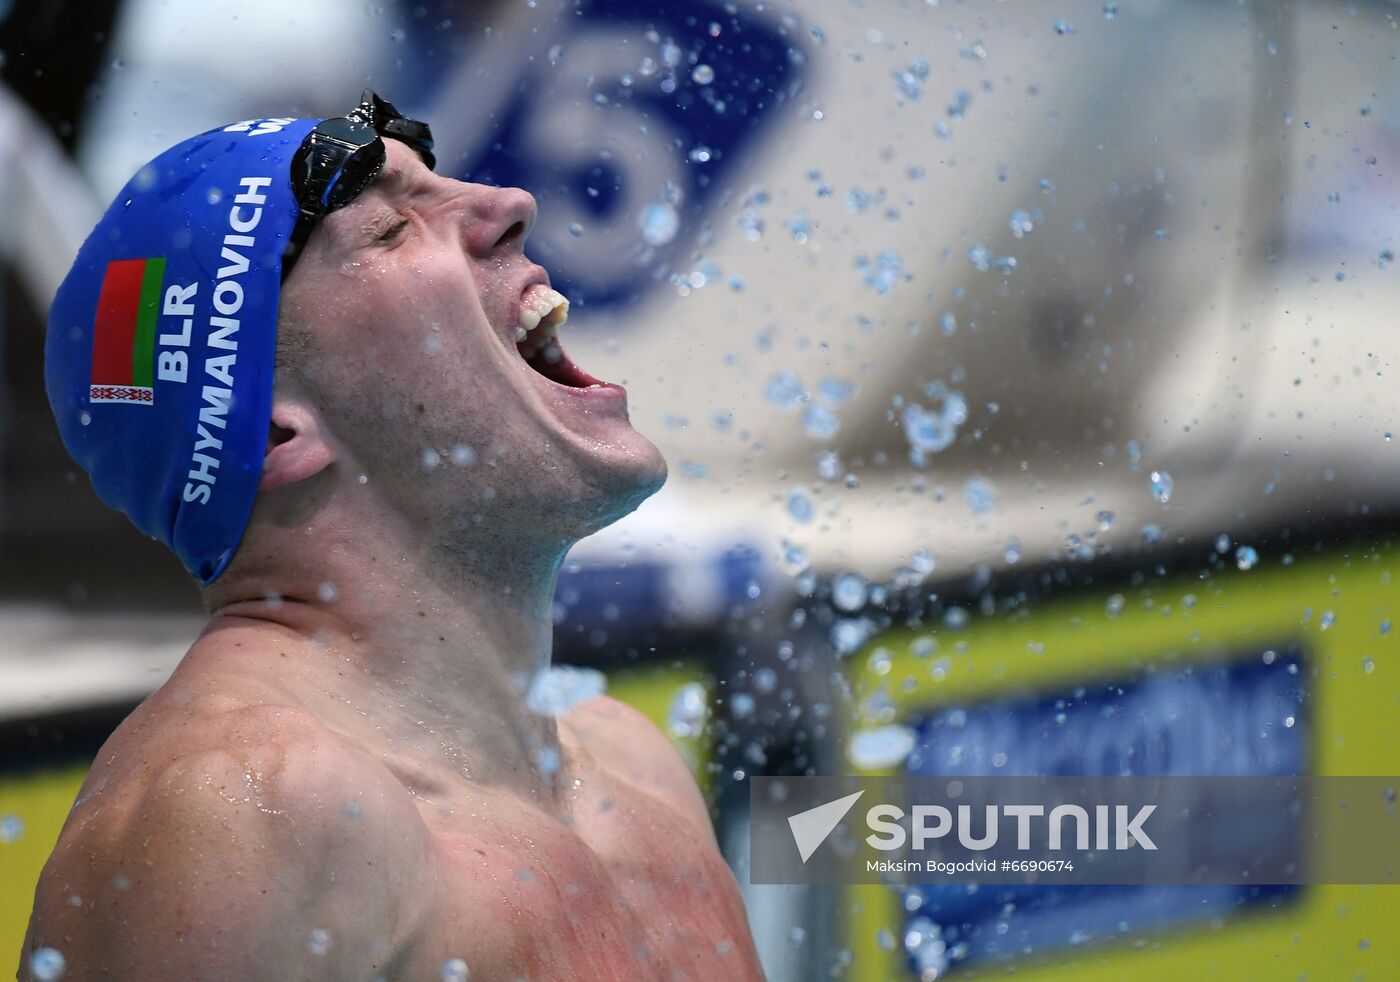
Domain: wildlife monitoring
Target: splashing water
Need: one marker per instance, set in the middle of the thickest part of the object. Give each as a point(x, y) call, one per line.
point(819, 422)
point(785, 390)
point(686, 715)
point(659, 222)
point(881, 747)
point(848, 634)
point(910, 81)
point(931, 431)
point(980, 495)
point(559, 688)
point(923, 941)
point(1161, 483)
point(881, 275)
point(800, 506)
point(849, 592)
point(47, 964)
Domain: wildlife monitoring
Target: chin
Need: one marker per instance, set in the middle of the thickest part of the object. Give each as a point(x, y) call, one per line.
point(625, 478)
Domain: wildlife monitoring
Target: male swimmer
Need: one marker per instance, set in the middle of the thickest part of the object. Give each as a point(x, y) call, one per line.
point(341, 780)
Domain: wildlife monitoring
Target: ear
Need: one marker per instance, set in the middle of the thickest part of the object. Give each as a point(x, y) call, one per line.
point(299, 445)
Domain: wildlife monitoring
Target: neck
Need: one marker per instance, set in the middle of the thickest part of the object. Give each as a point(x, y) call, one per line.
point(428, 645)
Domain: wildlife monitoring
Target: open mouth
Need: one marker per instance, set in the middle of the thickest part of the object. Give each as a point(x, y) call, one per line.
point(542, 312)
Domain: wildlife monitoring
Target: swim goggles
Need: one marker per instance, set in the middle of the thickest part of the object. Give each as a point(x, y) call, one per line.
point(341, 157)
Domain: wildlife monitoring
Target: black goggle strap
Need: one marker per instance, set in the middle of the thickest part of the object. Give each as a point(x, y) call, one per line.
point(388, 121)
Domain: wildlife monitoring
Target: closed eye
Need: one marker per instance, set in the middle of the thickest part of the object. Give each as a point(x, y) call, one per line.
point(390, 233)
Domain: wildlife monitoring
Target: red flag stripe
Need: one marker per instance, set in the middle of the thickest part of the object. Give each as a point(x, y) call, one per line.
point(114, 333)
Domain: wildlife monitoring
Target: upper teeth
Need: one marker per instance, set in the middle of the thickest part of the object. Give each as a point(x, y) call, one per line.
point(546, 307)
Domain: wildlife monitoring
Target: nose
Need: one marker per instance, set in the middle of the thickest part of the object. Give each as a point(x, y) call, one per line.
point(501, 218)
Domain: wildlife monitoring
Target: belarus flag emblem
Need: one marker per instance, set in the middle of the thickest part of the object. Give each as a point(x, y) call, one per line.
point(124, 335)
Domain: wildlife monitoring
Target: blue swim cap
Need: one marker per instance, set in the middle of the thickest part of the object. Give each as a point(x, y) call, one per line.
point(161, 340)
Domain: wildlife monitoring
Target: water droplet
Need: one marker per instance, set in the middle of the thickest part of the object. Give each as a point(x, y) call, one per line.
point(1246, 557)
point(948, 324)
point(819, 422)
point(11, 828)
point(931, 431)
point(701, 154)
point(800, 506)
point(976, 51)
point(320, 941)
point(881, 747)
point(751, 224)
point(1368, 666)
point(1021, 222)
point(686, 715)
point(576, 230)
point(849, 592)
point(462, 455)
point(1110, 11)
point(559, 688)
point(327, 592)
point(784, 390)
point(1326, 620)
point(980, 495)
point(849, 633)
point(829, 466)
point(1063, 28)
point(1161, 486)
point(703, 74)
point(430, 459)
point(1115, 605)
point(659, 222)
point(741, 705)
point(910, 81)
point(924, 943)
point(882, 274)
point(1385, 626)
point(1105, 520)
point(47, 964)
point(455, 970)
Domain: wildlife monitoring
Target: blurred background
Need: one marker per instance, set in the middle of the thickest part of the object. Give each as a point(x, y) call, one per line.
point(1024, 372)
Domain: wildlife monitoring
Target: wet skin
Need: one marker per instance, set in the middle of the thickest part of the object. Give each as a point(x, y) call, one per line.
point(345, 749)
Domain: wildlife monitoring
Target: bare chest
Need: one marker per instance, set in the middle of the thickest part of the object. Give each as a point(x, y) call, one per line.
point(622, 887)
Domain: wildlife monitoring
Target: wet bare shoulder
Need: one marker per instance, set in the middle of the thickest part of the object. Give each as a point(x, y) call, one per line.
point(259, 847)
point(625, 744)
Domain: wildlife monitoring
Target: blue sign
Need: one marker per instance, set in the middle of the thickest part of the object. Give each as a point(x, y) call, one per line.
point(1239, 717)
point(626, 120)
